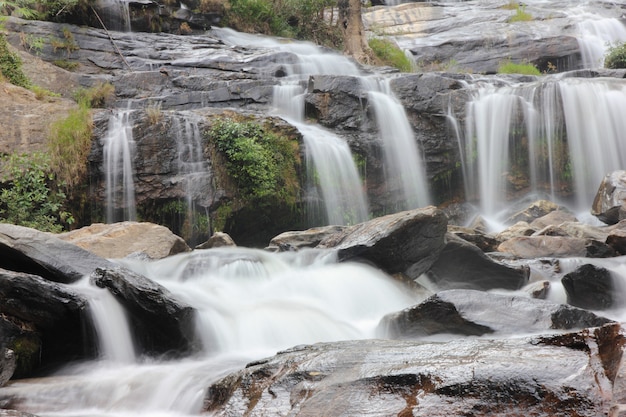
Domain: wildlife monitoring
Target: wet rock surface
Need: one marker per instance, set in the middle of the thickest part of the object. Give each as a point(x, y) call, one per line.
point(160, 322)
point(407, 242)
point(477, 313)
point(382, 378)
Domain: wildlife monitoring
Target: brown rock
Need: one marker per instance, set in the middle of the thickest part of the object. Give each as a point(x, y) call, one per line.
point(119, 240)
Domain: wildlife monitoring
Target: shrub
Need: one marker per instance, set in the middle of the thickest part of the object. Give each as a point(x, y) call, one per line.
point(11, 65)
point(300, 19)
point(389, 54)
point(616, 57)
point(95, 96)
point(27, 199)
point(509, 67)
point(261, 162)
point(69, 144)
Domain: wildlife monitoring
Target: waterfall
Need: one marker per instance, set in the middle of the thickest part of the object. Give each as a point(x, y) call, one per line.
point(115, 342)
point(115, 14)
point(193, 167)
point(542, 137)
point(596, 35)
point(330, 168)
point(405, 171)
point(118, 149)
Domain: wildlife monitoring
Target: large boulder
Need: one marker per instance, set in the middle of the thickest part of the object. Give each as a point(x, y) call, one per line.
point(475, 313)
point(590, 287)
point(608, 204)
point(43, 322)
point(463, 265)
point(407, 242)
point(118, 240)
point(555, 376)
point(160, 323)
point(23, 249)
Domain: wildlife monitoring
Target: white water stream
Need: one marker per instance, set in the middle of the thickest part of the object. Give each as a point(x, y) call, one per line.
point(250, 304)
point(118, 149)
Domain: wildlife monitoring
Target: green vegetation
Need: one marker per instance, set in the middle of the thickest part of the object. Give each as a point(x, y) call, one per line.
point(299, 19)
point(258, 163)
point(509, 67)
point(69, 144)
point(262, 163)
point(65, 64)
point(616, 57)
point(68, 43)
point(520, 15)
point(27, 198)
point(95, 96)
point(389, 54)
point(11, 65)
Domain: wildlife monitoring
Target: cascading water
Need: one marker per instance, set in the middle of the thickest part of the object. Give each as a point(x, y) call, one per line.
point(543, 136)
point(115, 14)
point(118, 148)
point(596, 35)
point(249, 303)
point(344, 200)
point(406, 175)
point(193, 167)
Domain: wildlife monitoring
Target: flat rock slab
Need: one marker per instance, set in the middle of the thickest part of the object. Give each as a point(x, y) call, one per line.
point(552, 376)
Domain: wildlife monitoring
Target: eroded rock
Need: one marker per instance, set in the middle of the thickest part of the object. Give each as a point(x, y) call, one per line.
point(383, 378)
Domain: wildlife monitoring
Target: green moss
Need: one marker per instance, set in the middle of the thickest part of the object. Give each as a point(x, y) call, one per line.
point(509, 67)
point(66, 65)
point(27, 351)
point(389, 54)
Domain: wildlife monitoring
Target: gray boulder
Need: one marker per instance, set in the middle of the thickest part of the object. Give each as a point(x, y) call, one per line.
point(590, 287)
point(28, 250)
point(161, 323)
point(407, 242)
point(463, 265)
point(43, 322)
point(608, 204)
point(476, 313)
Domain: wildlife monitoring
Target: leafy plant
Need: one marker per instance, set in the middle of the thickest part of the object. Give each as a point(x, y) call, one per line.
point(11, 65)
point(520, 15)
point(25, 9)
point(615, 57)
point(510, 67)
point(27, 198)
point(389, 54)
point(261, 162)
point(69, 144)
